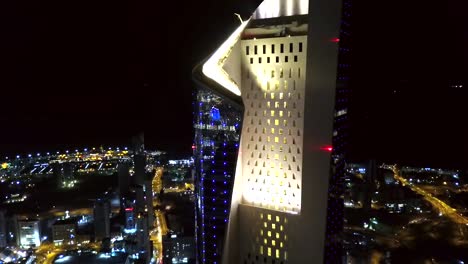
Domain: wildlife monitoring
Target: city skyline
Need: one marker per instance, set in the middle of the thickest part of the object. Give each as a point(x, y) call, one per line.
point(75, 105)
point(234, 131)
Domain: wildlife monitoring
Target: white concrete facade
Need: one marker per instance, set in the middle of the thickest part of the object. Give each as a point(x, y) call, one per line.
point(287, 84)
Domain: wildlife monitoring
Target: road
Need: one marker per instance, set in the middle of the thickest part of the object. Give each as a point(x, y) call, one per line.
point(160, 226)
point(442, 207)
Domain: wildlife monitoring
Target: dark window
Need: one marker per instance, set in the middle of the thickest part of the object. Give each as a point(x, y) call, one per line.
point(291, 47)
point(282, 48)
point(300, 46)
point(295, 58)
point(277, 59)
point(255, 49)
point(264, 49)
point(272, 48)
point(247, 50)
point(285, 58)
point(251, 60)
point(268, 59)
point(259, 60)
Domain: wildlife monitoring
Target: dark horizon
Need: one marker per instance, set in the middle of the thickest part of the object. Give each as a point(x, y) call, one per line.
point(99, 73)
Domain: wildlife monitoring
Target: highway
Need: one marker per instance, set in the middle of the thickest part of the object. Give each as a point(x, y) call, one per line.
point(160, 226)
point(442, 207)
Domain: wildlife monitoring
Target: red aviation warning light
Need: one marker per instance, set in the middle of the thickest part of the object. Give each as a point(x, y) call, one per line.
point(327, 148)
point(335, 40)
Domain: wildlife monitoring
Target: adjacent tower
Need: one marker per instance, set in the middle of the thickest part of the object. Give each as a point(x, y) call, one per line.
point(280, 66)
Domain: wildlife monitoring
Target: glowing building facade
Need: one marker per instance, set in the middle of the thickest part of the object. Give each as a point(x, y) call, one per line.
point(28, 233)
point(281, 66)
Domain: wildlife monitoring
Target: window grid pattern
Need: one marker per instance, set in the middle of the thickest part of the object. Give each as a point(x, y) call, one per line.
point(269, 241)
point(273, 95)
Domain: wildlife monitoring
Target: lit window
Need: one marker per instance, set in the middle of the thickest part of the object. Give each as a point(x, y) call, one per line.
point(272, 95)
point(277, 253)
point(281, 227)
point(281, 244)
point(278, 236)
point(273, 226)
point(276, 139)
point(276, 122)
point(273, 242)
point(265, 241)
point(261, 250)
point(280, 130)
point(285, 104)
point(269, 251)
point(269, 217)
point(280, 95)
point(276, 104)
point(269, 234)
point(265, 225)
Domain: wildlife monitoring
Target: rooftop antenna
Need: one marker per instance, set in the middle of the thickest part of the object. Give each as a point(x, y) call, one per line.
point(240, 18)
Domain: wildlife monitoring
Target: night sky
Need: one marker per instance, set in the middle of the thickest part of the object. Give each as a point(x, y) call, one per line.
point(85, 73)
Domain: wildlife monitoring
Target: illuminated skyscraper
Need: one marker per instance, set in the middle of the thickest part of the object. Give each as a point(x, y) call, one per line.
point(217, 129)
point(282, 65)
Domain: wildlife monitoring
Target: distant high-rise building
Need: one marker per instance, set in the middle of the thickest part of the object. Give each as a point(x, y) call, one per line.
point(124, 178)
point(282, 66)
point(102, 212)
point(178, 249)
point(64, 231)
point(3, 229)
point(28, 233)
point(217, 136)
point(142, 212)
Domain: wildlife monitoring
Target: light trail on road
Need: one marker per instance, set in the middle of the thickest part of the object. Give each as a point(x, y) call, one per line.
point(442, 207)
